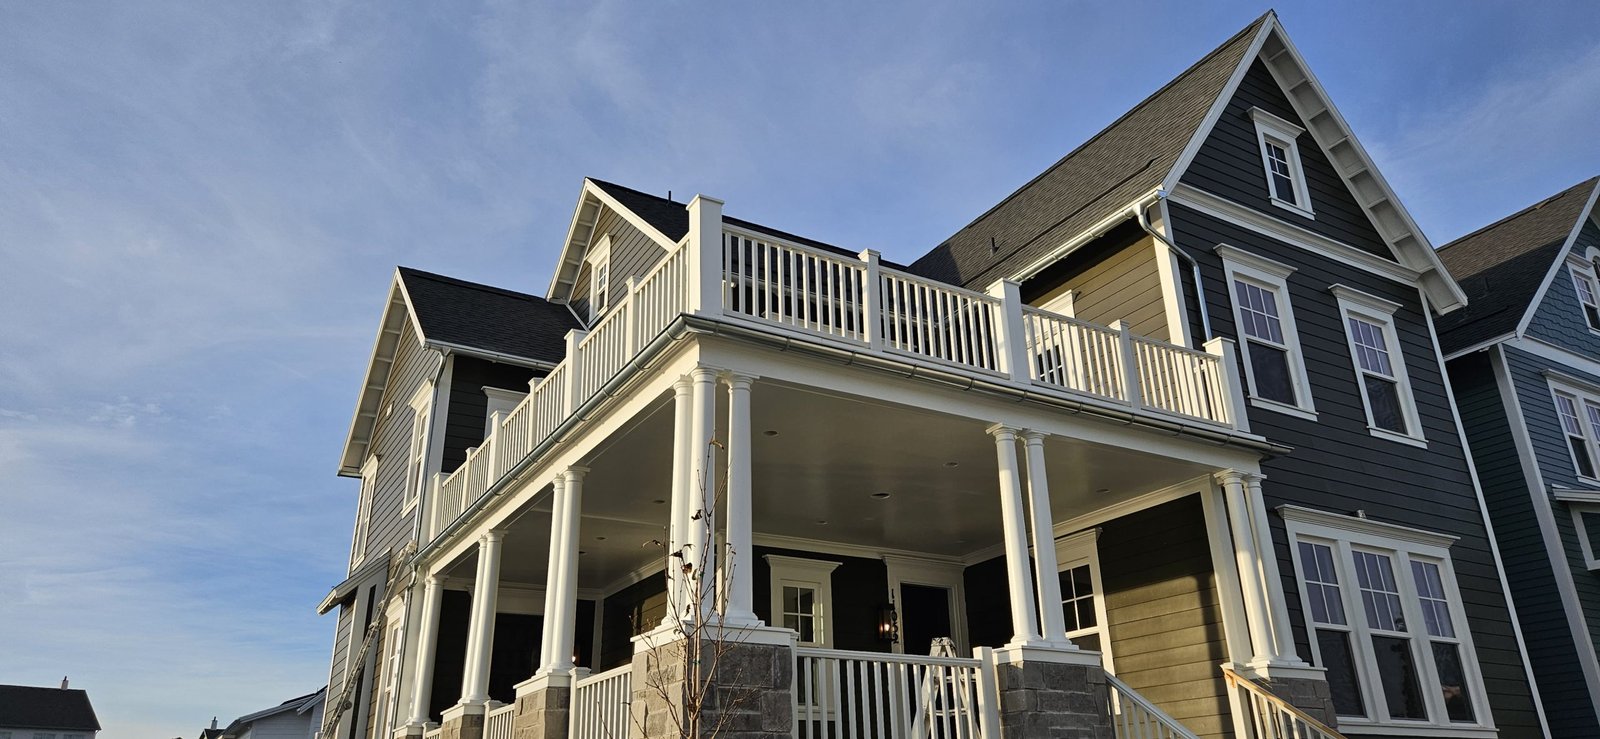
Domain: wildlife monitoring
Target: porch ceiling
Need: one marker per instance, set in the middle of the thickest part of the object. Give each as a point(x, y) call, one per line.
point(819, 459)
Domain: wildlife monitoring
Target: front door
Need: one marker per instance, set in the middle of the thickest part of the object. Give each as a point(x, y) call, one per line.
point(925, 615)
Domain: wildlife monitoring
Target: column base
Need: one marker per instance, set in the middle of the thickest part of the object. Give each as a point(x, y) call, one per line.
point(751, 693)
point(1047, 653)
point(465, 720)
point(1052, 692)
point(1304, 687)
point(414, 730)
point(544, 707)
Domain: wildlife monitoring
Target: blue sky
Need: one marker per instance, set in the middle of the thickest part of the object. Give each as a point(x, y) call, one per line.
point(201, 205)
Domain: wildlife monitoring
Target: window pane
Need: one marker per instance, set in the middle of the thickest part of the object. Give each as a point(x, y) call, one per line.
point(1435, 605)
point(1086, 615)
point(1337, 659)
point(1090, 642)
point(1592, 313)
point(1383, 396)
point(1270, 365)
point(1082, 585)
point(1580, 454)
point(791, 599)
point(1322, 583)
point(1398, 672)
point(791, 621)
point(1591, 530)
point(1453, 681)
point(1278, 163)
point(1379, 595)
point(1372, 350)
point(1258, 312)
point(808, 600)
point(807, 629)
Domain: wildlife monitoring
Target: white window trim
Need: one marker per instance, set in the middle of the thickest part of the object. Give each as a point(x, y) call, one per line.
point(1582, 393)
point(392, 670)
point(1584, 266)
point(1380, 312)
point(419, 443)
point(1400, 543)
point(599, 259)
point(1081, 549)
point(1240, 264)
point(358, 539)
point(499, 399)
point(1286, 135)
point(806, 573)
point(903, 570)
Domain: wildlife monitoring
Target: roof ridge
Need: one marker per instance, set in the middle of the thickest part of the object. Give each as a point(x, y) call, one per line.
point(1514, 216)
point(1113, 124)
point(468, 283)
point(636, 191)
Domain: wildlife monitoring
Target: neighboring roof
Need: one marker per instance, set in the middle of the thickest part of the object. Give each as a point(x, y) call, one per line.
point(211, 733)
point(299, 704)
point(66, 709)
point(1502, 266)
point(1108, 172)
point(489, 319)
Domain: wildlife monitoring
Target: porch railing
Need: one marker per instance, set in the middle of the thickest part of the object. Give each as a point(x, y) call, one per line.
point(600, 705)
point(777, 285)
point(433, 733)
point(1134, 717)
point(1266, 716)
point(868, 695)
point(499, 723)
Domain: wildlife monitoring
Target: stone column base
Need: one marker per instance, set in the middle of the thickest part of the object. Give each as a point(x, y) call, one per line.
point(414, 731)
point(749, 695)
point(1305, 693)
point(1066, 697)
point(463, 721)
point(544, 706)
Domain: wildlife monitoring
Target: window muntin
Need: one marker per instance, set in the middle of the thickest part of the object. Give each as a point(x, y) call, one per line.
point(801, 611)
point(1262, 328)
point(802, 598)
point(1280, 169)
point(1577, 442)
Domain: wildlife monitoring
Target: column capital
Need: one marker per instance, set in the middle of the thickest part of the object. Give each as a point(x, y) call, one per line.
point(1003, 432)
point(1228, 477)
point(1253, 479)
point(492, 535)
point(684, 385)
point(704, 374)
point(738, 380)
point(574, 472)
point(1033, 436)
point(436, 580)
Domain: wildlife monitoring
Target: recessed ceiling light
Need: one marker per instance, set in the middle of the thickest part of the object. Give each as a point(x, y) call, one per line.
point(1102, 490)
point(880, 495)
point(822, 522)
point(582, 552)
point(599, 538)
point(769, 432)
point(658, 501)
point(952, 464)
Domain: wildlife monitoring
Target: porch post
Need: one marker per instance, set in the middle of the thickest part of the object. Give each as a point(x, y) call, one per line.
point(567, 585)
point(427, 643)
point(552, 578)
point(702, 494)
point(678, 527)
point(1278, 608)
point(1024, 632)
point(484, 594)
point(738, 601)
point(1052, 622)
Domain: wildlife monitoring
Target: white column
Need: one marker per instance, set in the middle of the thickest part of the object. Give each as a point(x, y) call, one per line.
point(738, 601)
point(682, 469)
point(1248, 560)
point(1277, 613)
point(548, 654)
point(484, 594)
point(1023, 629)
point(567, 585)
point(702, 492)
point(427, 645)
point(1044, 543)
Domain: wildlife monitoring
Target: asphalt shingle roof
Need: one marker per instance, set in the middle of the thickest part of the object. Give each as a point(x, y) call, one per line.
point(25, 707)
point(488, 318)
point(1501, 266)
point(1130, 157)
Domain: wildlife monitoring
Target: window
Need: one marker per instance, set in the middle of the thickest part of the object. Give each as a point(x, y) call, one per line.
point(1379, 365)
point(1274, 369)
point(499, 401)
point(1584, 505)
point(1082, 604)
point(802, 598)
point(599, 260)
point(358, 544)
point(1280, 157)
point(417, 459)
point(1578, 442)
point(389, 701)
point(1583, 280)
point(1386, 622)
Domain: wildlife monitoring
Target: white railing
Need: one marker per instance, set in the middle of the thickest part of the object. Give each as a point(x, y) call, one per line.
point(600, 705)
point(791, 285)
point(940, 321)
point(1180, 380)
point(1073, 354)
point(603, 351)
point(433, 733)
point(1266, 716)
point(867, 695)
point(1134, 717)
point(499, 724)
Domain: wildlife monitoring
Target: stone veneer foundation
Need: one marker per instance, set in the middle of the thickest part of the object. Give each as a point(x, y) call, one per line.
point(750, 694)
point(1056, 700)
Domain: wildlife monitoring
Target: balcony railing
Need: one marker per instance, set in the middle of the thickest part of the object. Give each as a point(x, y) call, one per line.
point(739, 276)
point(869, 695)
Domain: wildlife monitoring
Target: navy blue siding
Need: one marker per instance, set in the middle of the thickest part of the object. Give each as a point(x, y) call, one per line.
point(1229, 164)
point(1559, 318)
point(469, 405)
point(1337, 465)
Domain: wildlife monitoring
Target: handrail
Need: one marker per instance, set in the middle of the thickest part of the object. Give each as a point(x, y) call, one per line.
point(1271, 717)
point(910, 659)
point(1133, 716)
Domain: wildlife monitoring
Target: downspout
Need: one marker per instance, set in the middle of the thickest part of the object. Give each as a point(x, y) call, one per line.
point(1194, 266)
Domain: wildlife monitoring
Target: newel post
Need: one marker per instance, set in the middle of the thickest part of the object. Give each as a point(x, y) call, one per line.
point(871, 300)
point(705, 256)
point(1228, 385)
point(1011, 336)
point(495, 455)
point(430, 507)
point(1130, 364)
point(574, 370)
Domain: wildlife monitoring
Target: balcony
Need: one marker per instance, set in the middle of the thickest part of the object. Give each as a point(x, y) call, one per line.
point(755, 285)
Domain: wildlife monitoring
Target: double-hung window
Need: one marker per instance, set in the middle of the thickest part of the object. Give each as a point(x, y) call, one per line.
point(1386, 621)
point(1274, 367)
point(1577, 405)
point(1379, 364)
point(802, 598)
point(599, 260)
point(358, 542)
point(417, 454)
point(1280, 156)
point(1588, 288)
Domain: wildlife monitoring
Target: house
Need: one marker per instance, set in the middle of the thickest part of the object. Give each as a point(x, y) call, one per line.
point(296, 718)
point(1524, 361)
point(28, 712)
point(1160, 445)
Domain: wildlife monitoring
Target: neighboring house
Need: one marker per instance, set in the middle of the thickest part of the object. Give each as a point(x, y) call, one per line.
point(296, 718)
point(1163, 437)
point(46, 713)
point(1524, 360)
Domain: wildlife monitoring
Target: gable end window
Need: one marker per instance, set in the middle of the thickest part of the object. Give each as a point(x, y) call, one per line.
point(358, 542)
point(599, 259)
point(1588, 288)
point(1280, 156)
point(1275, 371)
point(1387, 623)
point(1380, 366)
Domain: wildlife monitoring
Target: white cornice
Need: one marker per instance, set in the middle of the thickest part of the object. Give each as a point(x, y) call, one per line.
point(1365, 526)
point(1369, 301)
point(1274, 122)
point(1254, 261)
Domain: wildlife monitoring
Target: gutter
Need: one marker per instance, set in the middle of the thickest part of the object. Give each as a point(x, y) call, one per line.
point(493, 356)
point(1194, 266)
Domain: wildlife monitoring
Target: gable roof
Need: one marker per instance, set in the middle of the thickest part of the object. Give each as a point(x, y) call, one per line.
point(298, 704)
point(1122, 163)
point(451, 315)
point(65, 709)
point(1503, 266)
